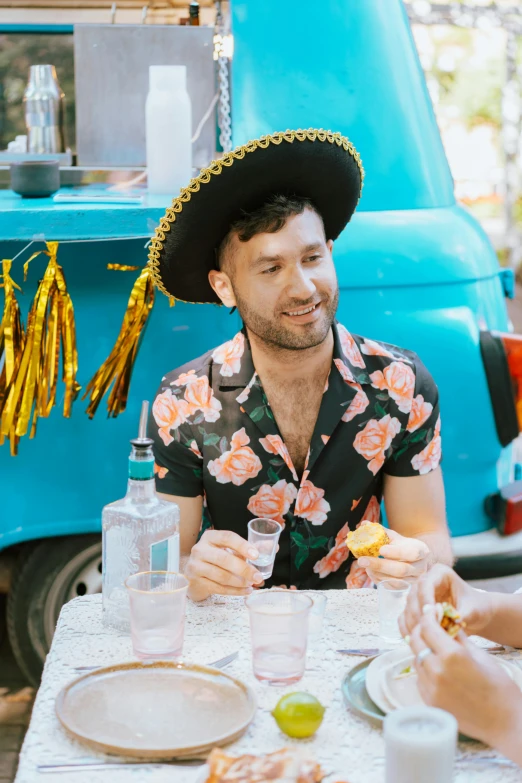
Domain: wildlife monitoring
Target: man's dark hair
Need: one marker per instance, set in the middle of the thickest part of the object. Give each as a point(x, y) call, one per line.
point(267, 219)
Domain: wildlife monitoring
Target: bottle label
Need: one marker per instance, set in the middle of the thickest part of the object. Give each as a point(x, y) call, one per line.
point(164, 555)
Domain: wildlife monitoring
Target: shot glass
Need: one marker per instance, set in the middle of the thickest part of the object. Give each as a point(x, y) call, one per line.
point(157, 612)
point(392, 594)
point(264, 535)
point(279, 634)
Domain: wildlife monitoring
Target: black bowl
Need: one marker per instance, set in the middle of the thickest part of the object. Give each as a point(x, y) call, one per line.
point(35, 178)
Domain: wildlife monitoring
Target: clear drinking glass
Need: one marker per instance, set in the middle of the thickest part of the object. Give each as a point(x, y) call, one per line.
point(392, 594)
point(264, 535)
point(316, 617)
point(157, 612)
point(279, 633)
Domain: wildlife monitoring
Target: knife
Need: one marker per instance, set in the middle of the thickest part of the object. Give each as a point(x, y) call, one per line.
point(104, 766)
point(368, 652)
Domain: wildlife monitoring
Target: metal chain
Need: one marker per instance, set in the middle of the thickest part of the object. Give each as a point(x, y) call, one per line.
point(224, 115)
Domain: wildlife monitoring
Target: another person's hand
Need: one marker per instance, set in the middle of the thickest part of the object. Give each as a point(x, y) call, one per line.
point(441, 584)
point(403, 558)
point(218, 566)
point(462, 679)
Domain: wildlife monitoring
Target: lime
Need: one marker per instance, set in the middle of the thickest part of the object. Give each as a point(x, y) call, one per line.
point(298, 714)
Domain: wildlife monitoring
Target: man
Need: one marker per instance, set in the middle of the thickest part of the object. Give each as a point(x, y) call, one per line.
point(294, 419)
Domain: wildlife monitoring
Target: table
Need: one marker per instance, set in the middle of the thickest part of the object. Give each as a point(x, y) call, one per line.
point(346, 745)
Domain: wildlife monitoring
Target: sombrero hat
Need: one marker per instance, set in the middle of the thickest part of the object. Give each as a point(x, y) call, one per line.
point(319, 165)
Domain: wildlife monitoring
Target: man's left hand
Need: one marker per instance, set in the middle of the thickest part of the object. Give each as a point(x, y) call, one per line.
point(403, 558)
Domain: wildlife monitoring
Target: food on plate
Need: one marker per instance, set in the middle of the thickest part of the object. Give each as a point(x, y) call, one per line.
point(366, 540)
point(298, 715)
point(284, 766)
point(408, 671)
point(450, 619)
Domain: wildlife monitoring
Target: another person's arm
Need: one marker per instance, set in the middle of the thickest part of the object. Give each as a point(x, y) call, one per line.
point(464, 680)
point(496, 616)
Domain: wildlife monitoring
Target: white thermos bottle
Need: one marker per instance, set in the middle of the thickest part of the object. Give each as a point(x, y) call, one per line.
point(168, 130)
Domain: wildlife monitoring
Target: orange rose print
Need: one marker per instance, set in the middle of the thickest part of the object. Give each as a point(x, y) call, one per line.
point(360, 402)
point(420, 412)
point(345, 372)
point(274, 444)
point(371, 348)
point(357, 578)
point(200, 397)
point(310, 503)
point(325, 439)
point(160, 472)
point(274, 501)
point(358, 405)
point(350, 347)
point(184, 378)
point(373, 441)
point(243, 397)
point(429, 458)
point(195, 449)
point(373, 511)
point(229, 355)
point(355, 503)
point(169, 413)
point(399, 381)
point(335, 557)
point(238, 464)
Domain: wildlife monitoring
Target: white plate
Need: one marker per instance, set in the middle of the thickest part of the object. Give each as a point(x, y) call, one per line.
point(393, 693)
point(374, 673)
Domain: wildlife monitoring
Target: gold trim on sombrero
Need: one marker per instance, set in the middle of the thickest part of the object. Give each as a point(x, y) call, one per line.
point(216, 167)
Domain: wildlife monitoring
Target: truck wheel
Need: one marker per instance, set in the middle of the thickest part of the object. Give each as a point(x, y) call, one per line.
point(49, 574)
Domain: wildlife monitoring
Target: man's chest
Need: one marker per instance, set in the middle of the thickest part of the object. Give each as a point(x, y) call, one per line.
point(295, 409)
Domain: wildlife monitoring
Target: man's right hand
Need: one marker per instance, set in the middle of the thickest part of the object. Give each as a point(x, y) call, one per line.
point(218, 566)
point(441, 584)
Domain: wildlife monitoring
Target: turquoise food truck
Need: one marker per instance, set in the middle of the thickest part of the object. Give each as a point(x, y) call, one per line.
point(414, 269)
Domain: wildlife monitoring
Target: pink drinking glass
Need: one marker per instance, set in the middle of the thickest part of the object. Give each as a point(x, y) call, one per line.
point(279, 633)
point(157, 613)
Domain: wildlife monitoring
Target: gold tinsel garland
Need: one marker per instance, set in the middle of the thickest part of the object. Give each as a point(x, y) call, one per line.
point(50, 324)
point(11, 347)
point(117, 368)
point(30, 361)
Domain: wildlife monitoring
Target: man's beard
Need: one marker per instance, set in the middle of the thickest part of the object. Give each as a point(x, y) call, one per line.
point(278, 336)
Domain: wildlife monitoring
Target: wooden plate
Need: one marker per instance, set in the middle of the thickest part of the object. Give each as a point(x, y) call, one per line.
point(158, 710)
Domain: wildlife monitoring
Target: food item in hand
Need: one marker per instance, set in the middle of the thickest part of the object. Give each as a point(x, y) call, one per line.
point(450, 619)
point(288, 765)
point(298, 715)
point(366, 540)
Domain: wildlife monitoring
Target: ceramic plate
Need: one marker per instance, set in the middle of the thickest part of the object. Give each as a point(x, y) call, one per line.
point(356, 695)
point(159, 710)
point(389, 691)
point(374, 676)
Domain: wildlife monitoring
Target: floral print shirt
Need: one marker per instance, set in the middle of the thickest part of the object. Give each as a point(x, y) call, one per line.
point(215, 435)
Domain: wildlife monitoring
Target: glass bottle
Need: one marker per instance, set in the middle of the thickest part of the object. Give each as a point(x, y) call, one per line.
point(140, 532)
point(194, 14)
